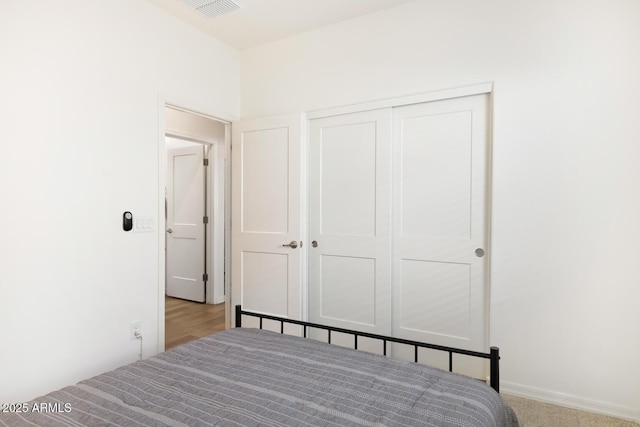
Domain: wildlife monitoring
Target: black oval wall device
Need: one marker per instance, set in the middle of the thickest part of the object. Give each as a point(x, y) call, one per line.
point(127, 221)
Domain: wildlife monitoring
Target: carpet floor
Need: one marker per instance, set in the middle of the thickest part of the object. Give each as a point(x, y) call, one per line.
point(532, 413)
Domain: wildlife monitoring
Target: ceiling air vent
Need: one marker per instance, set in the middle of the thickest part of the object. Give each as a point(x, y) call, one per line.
point(214, 8)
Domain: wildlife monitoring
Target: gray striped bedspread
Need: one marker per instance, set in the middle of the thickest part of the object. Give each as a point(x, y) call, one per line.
point(249, 377)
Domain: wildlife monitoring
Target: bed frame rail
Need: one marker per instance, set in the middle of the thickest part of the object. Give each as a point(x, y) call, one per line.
point(493, 355)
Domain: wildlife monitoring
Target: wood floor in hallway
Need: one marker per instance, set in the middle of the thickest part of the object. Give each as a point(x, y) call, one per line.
point(186, 320)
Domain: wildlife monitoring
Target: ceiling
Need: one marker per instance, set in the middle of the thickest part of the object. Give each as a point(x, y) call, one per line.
point(263, 21)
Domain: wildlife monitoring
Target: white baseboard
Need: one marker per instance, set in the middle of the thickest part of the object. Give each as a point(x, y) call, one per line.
point(570, 401)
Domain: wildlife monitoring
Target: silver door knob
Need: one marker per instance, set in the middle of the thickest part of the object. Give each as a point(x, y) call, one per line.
point(169, 230)
point(479, 252)
point(314, 244)
point(293, 244)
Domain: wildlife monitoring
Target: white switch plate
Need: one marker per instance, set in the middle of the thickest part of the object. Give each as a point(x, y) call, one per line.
point(143, 224)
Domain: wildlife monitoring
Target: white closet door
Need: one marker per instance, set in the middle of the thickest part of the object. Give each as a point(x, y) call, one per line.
point(266, 215)
point(440, 222)
point(349, 220)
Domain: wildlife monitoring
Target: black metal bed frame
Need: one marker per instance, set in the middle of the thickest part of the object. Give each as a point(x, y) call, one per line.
point(493, 355)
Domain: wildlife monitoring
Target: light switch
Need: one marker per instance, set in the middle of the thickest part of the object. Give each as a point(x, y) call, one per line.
point(143, 224)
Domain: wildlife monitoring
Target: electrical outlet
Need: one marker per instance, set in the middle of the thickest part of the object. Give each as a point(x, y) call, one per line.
point(136, 326)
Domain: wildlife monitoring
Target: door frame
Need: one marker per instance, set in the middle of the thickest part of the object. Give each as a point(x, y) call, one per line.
point(400, 101)
point(223, 155)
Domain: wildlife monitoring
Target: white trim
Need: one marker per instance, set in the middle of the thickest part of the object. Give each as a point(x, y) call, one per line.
point(178, 103)
point(217, 215)
point(304, 217)
point(489, 212)
point(570, 401)
point(227, 225)
point(404, 100)
point(162, 225)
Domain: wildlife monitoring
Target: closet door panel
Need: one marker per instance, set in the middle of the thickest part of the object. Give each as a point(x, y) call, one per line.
point(266, 273)
point(348, 180)
point(349, 219)
point(441, 165)
point(348, 289)
point(435, 176)
point(445, 310)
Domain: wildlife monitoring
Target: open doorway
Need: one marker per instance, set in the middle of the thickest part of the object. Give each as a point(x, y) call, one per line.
point(195, 148)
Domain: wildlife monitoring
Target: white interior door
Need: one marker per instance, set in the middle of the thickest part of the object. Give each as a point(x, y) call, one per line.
point(350, 221)
point(266, 215)
point(440, 249)
point(185, 223)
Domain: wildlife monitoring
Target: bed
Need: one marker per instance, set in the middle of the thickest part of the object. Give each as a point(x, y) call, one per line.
point(255, 377)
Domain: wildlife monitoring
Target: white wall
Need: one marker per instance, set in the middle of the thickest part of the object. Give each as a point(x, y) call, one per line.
point(80, 118)
point(566, 201)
